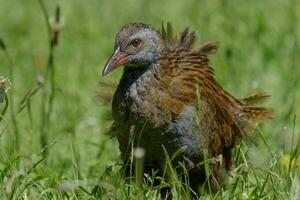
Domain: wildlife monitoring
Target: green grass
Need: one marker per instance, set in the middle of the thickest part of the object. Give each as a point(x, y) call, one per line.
point(259, 52)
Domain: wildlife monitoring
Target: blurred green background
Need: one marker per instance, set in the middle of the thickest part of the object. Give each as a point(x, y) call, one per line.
point(259, 53)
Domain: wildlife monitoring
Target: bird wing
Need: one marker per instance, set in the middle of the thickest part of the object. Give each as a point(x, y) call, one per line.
point(188, 78)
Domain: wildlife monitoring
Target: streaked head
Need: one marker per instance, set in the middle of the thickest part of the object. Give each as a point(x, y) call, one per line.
point(136, 45)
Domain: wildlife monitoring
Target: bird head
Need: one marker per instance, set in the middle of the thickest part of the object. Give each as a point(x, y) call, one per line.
point(136, 45)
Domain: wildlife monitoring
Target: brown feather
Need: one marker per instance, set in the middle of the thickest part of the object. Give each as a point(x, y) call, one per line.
point(182, 70)
point(209, 48)
point(256, 99)
point(180, 78)
point(187, 39)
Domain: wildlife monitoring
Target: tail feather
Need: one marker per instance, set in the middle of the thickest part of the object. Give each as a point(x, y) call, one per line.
point(209, 48)
point(257, 113)
point(256, 99)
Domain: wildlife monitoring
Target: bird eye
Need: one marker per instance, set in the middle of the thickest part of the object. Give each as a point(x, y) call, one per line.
point(136, 43)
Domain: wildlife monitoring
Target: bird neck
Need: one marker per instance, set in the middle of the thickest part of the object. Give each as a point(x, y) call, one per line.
point(131, 74)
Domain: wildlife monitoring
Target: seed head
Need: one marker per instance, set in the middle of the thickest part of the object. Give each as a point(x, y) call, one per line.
point(4, 87)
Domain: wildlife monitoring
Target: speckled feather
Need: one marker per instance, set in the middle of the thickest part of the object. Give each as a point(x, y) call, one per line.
point(160, 102)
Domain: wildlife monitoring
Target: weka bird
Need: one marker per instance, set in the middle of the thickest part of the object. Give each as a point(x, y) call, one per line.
point(168, 93)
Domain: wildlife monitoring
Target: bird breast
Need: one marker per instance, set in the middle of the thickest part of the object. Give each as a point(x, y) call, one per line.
point(142, 104)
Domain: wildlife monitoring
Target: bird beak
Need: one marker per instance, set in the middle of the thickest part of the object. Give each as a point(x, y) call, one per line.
point(117, 59)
